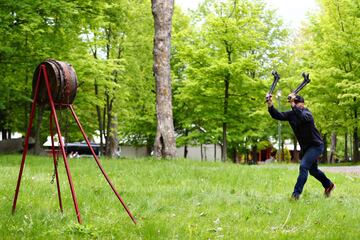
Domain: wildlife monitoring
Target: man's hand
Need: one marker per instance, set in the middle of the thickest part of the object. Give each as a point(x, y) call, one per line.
point(268, 98)
point(291, 97)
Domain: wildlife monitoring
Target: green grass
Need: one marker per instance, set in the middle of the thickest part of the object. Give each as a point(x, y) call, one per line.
point(175, 199)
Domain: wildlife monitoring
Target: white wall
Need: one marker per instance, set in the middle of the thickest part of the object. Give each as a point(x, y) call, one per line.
point(211, 152)
point(13, 135)
point(194, 152)
point(132, 151)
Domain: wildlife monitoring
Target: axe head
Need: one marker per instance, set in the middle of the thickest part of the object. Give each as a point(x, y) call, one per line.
point(306, 76)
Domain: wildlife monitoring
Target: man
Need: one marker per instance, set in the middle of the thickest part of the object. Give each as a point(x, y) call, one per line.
point(311, 143)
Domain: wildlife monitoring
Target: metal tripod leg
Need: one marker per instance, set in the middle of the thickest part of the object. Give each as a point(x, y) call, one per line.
point(99, 165)
point(55, 162)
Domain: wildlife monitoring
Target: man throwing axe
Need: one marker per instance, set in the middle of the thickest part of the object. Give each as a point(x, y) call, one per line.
point(311, 143)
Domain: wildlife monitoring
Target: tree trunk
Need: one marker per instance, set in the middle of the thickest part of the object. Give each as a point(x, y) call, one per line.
point(235, 156)
point(37, 145)
point(27, 106)
point(356, 145)
point(165, 143)
point(205, 153)
point(282, 151)
point(254, 154)
point(215, 152)
point(98, 112)
point(229, 50)
point(3, 134)
point(105, 127)
point(224, 145)
point(324, 155)
point(107, 123)
point(332, 148)
point(113, 142)
point(351, 142)
point(2, 125)
point(356, 138)
point(186, 151)
point(346, 153)
point(186, 145)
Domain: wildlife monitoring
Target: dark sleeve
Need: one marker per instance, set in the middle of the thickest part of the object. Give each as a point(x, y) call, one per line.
point(283, 116)
point(303, 114)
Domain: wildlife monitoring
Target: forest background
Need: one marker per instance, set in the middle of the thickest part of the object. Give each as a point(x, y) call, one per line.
point(222, 55)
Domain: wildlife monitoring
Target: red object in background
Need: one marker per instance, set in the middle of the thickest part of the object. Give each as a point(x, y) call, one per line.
point(43, 75)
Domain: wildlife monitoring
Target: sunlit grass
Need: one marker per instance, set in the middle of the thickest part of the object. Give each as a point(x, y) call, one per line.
point(174, 199)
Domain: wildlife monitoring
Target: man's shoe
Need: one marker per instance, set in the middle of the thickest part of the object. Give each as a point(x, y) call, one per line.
point(295, 196)
point(328, 190)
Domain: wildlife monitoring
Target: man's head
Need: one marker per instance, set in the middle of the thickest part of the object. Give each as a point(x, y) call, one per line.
point(299, 101)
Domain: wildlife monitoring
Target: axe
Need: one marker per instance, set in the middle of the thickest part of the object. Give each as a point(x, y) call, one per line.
point(273, 85)
point(301, 85)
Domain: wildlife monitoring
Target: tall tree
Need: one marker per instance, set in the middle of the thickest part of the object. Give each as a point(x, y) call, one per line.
point(165, 143)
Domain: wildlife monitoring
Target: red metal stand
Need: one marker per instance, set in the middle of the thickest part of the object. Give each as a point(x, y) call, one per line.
point(53, 116)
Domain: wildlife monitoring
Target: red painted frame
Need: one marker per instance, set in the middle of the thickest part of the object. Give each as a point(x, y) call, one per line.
point(53, 116)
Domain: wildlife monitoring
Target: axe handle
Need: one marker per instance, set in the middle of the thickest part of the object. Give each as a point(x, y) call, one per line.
point(303, 84)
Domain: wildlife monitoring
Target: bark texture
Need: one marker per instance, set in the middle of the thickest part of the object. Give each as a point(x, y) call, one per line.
point(113, 142)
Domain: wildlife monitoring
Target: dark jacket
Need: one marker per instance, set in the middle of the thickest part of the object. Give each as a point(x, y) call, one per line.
point(302, 123)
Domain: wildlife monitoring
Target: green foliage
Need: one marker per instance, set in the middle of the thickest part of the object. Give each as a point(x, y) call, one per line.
point(174, 200)
point(232, 43)
point(108, 43)
point(32, 31)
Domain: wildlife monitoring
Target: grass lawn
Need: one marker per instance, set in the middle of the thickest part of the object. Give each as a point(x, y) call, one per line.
point(175, 199)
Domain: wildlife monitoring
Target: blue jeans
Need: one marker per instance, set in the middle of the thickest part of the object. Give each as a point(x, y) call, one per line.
point(309, 164)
